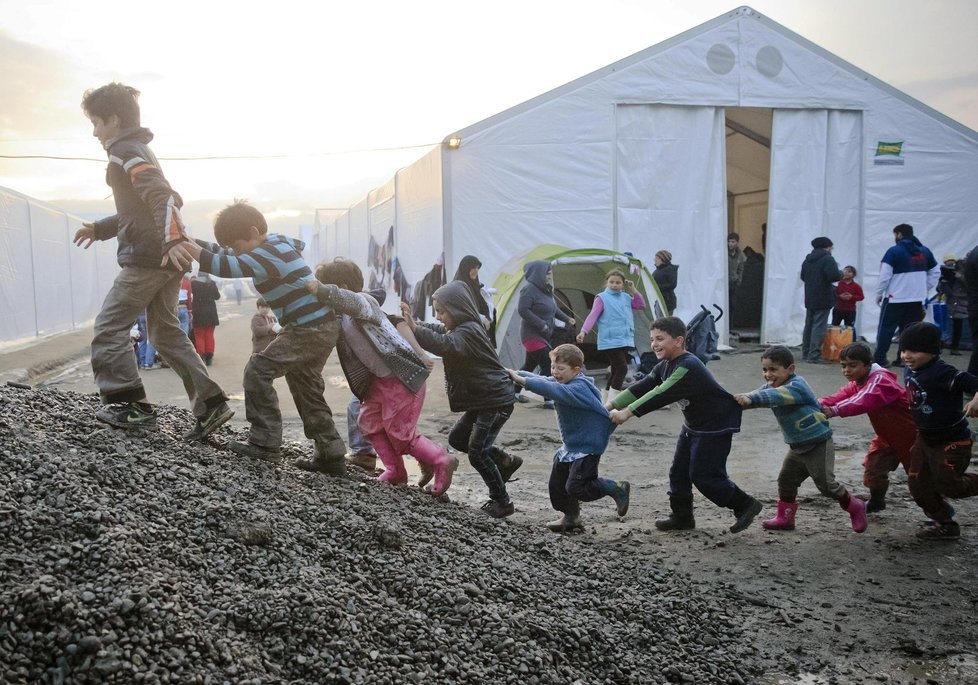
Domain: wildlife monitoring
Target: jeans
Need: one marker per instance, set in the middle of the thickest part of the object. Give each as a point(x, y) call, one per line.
point(184, 315)
point(474, 434)
point(816, 323)
point(701, 460)
point(573, 482)
point(895, 317)
point(358, 444)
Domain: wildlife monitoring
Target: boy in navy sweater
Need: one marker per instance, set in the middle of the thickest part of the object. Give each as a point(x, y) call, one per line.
point(711, 418)
point(942, 451)
point(585, 428)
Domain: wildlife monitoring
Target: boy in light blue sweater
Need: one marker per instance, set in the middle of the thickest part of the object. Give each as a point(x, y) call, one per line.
point(584, 428)
point(806, 430)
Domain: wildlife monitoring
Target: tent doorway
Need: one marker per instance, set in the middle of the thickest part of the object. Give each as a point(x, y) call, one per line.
point(748, 179)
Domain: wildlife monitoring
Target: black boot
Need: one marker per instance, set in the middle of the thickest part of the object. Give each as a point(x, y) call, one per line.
point(745, 508)
point(681, 517)
point(877, 500)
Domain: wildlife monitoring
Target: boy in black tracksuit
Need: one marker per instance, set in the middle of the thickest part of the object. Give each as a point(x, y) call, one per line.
point(942, 450)
point(476, 383)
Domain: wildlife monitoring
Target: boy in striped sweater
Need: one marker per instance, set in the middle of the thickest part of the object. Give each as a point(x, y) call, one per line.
point(309, 333)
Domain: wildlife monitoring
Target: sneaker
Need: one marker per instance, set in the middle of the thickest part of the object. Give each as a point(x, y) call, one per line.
point(127, 415)
point(624, 488)
point(512, 466)
point(520, 398)
point(209, 423)
point(363, 460)
point(272, 455)
point(745, 517)
point(497, 509)
point(940, 531)
point(548, 404)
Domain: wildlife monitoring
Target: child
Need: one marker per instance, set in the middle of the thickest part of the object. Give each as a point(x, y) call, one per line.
point(584, 429)
point(874, 391)
point(149, 230)
point(847, 294)
point(298, 352)
point(612, 311)
point(477, 384)
point(806, 430)
point(711, 418)
point(942, 450)
point(264, 326)
point(385, 373)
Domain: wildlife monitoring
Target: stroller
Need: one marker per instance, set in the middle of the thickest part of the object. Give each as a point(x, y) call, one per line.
point(701, 334)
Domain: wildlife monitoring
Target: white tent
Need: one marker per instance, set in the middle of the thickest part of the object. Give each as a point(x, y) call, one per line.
point(732, 124)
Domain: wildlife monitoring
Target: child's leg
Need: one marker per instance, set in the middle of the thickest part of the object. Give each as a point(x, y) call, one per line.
point(880, 460)
point(820, 460)
point(680, 488)
point(357, 442)
point(708, 467)
point(560, 498)
point(583, 482)
point(618, 357)
point(474, 433)
point(948, 473)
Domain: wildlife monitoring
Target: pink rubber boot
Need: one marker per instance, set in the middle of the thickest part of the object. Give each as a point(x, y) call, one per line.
point(785, 518)
point(857, 512)
point(394, 471)
point(436, 458)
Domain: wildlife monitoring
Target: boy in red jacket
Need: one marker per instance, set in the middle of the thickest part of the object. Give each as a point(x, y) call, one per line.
point(874, 391)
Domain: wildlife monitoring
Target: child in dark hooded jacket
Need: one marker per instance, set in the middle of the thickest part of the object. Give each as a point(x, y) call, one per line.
point(477, 385)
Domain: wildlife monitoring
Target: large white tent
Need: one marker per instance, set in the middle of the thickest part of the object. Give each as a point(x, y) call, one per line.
point(729, 125)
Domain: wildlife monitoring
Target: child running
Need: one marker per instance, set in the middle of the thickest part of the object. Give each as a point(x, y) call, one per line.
point(711, 418)
point(874, 391)
point(942, 451)
point(612, 312)
point(584, 429)
point(476, 383)
point(811, 453)
point(385, 373)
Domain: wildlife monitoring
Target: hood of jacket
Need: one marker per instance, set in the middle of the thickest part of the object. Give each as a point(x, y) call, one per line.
point(535, 272)
point(816, 255)
point(911, 245)
point(456, 299)
point(137, 134)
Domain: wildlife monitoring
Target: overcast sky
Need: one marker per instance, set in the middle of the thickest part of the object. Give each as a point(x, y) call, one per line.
point(348, 92)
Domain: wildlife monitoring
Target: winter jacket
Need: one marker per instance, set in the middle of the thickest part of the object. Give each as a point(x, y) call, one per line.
point(936, 394)
point(585, 426)
point(819, 271)
point(365, 323)
point(666, 277)
point(205, 296)
point(954, 289)
point(971, 282)
point(474, 377)
point(853, 289)
point(796, 409)
point(279, 273)
point(881, 397)
point(537, 307)
point(147, 219)
point(907, 273)
point(735, 265)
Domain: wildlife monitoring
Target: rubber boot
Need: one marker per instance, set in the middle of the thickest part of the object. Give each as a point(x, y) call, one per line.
point(681, 517)
point(745, 508)
point(857, 512)
point(436, 458)
point(877, 501)
point(394, 471)
point(621, 493)
point(785, 518)
point(328, 458)
point(566, 523)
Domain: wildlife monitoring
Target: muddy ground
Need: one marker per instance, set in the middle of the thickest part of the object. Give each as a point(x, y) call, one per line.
point(827, 604)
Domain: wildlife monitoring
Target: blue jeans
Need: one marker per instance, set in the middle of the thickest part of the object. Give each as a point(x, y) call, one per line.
point(474, 434)
point(146, 354)
point(358, 444)
point(701, 460)
point(184, 314)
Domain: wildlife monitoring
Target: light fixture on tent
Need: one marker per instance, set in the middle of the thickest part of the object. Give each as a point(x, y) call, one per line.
point(454, 143)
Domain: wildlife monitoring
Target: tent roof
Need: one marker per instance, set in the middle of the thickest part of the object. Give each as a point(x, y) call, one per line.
point(733, 15)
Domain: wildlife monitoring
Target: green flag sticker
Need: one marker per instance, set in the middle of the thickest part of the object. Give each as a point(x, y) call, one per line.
point(889, 154)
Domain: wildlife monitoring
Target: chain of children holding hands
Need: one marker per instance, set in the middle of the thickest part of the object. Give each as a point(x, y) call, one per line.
point(922, 427)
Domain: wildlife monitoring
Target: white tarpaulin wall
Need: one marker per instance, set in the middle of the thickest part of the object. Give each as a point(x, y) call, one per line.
point(816, 171)
point(47, 284)
point(678, 203)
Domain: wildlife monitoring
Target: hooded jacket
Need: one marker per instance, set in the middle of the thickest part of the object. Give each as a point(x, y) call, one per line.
point(537, 307)
point(907, 273)
point(666, 276)
point(147, 219)
point(819, 271)
point(474, 377)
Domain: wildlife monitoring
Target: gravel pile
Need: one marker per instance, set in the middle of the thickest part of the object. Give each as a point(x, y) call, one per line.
point(135, 558)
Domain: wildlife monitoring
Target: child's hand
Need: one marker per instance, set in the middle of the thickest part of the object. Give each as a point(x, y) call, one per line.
point(580, 337)
point(86, 235)
point(408, 315)
point(312, 285)
point(181, 255)
point(743, 400)
point(971, 409)
point(620, 416)
point(629, 286)
point(428, 362)
point(517, 378)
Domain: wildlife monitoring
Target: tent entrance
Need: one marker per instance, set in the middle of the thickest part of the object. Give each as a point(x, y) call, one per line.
point(748, 179)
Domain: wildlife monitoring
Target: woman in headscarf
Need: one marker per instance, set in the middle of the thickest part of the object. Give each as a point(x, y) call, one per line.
point(468, 273)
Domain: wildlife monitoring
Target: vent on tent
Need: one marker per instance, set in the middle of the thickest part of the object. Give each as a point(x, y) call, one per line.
point(769, 61)
point(720, 59)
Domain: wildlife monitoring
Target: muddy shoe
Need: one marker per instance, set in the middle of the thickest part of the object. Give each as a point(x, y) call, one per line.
point(128, 415)
point(940, 531)
point(746, 515)
point(566, 523)
point(498, 510)
point(427, 473)
point(322, 463)
point(210, 422)
point(681, 517)
point(367, 462)
point(622, 491)
point(511, 467)
point(272, 455)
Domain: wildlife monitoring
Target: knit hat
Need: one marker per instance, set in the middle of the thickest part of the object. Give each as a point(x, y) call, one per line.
point(921, 337)
point(949, 257)
point(821, 243)
point(664, 255)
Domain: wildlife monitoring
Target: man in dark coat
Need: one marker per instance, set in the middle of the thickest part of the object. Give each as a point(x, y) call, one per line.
point(819, 271)
point(971, 287)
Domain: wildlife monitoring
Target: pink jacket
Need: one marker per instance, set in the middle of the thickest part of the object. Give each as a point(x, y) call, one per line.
point(884, 401)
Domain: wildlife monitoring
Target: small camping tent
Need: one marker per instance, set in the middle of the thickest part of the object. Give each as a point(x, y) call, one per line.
point(578, 276)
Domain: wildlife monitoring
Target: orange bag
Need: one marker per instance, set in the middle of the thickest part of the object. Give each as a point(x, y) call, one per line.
point(836, 337)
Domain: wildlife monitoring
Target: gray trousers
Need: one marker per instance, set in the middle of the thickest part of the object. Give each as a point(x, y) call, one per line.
point(113, 362)
point(298, 353)
point(816, 323)
point(815, 461)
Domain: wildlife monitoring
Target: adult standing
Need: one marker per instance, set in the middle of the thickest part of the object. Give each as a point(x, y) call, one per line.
point(205, 296)
point(819, 271)
point(538, 310)
point(468, 273)
point(666, 276)
point(735, 271)
point(971, 287)
point(907, 273)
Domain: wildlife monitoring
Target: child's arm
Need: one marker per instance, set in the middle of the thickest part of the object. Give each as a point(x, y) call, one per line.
point(785, 395)
point(407, 333)
point(596, 310)
point(876, 393)
point(743, 400)
point(971, 409)
point(516, 377)
point(967, 383)
point(857, 295)
point(344, 301)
